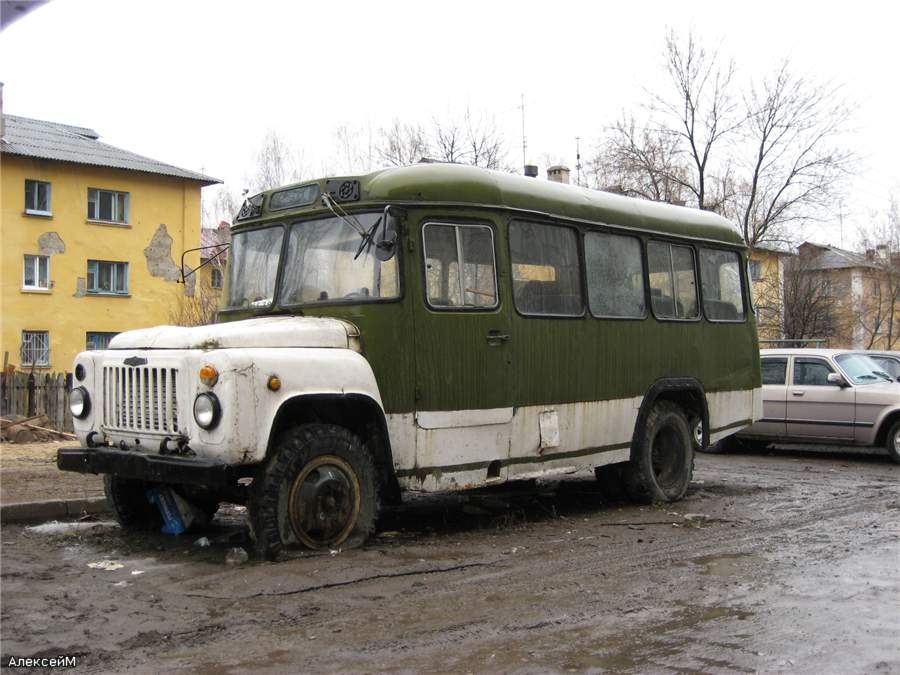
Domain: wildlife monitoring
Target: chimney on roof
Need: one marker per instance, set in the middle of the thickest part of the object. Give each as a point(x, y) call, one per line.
point(558, 174)
point(531, 170)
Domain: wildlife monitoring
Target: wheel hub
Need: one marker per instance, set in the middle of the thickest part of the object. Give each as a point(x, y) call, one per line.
point(324, 502)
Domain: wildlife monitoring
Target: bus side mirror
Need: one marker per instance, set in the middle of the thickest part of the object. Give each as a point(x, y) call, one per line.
point(389, 233)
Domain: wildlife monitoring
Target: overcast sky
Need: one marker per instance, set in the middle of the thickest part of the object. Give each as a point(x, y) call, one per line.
point(198, 83)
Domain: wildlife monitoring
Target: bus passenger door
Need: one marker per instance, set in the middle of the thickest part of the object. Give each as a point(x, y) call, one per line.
point(462, 343)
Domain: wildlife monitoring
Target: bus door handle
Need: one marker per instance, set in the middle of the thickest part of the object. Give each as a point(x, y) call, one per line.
point(798, 392)
point(496, 337)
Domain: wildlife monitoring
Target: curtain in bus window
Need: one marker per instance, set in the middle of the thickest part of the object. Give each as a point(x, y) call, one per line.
point(545, 269)
point(685, 283)
point(720, 277)
point(659, 273)
point(615, 275)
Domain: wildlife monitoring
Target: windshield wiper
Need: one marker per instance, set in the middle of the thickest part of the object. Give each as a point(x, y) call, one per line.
point(367, 239)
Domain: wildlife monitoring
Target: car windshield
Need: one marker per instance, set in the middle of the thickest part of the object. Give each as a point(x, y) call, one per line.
point(253, 267)
point(328, 261)
point(861, 369)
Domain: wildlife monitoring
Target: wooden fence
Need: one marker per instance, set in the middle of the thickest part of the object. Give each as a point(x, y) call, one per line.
point(29, 394)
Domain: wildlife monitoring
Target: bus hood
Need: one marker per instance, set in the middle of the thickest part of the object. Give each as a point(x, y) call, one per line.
point(270, 331)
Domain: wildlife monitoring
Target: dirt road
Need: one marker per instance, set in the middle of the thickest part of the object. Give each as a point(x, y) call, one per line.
point(773, 563)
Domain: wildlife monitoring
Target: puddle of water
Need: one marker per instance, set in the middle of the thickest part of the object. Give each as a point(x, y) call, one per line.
point(728, 565)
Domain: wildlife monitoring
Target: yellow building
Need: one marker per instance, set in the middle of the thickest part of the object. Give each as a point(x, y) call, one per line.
point(767, 267)
point(92, 240)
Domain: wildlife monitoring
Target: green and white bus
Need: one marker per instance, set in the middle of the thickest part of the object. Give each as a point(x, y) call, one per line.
point(431, 327)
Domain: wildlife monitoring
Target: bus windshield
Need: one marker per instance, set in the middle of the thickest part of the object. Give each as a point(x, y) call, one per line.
point(325, 263)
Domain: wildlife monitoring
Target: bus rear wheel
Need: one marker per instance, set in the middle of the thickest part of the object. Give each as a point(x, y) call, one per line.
point(662, 463)
point(317, 490)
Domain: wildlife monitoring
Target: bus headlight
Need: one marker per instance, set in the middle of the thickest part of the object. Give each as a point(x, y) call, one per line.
point(79, 403)
point(207, 410)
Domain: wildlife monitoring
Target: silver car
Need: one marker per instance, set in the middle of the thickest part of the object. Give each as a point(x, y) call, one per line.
point(830, 396)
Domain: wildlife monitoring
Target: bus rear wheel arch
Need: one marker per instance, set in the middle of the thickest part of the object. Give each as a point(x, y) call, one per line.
point(318, 490)
point(662, 459)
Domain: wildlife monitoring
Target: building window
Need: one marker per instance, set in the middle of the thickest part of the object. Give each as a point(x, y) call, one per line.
point(37, 272)
point(107, 206)
point(755, 270)
point(107, 277)
point(96, 341)
point(35, 348)
point(215, 277)
point(37, 197)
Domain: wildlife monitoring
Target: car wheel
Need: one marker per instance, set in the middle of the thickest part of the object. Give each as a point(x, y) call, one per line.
point(317, 490)
point(662, 461)
point(893, 442)
point(128, 500)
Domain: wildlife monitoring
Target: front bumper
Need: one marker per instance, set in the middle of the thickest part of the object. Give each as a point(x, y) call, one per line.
point(153, 468)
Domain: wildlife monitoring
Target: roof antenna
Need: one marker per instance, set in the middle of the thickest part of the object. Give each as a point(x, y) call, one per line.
point(524, 143)
point(578, 160)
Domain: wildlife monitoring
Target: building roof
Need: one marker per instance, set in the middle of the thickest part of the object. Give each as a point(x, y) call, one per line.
point(65, 143)
point(834, 258)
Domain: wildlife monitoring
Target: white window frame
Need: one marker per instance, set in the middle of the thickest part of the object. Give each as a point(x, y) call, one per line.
point(94, 195)
point(35, 260)
point(30, 208)
point(114, 277)
point(35, 341)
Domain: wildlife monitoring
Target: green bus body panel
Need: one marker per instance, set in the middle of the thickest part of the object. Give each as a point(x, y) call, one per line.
point(439, 360)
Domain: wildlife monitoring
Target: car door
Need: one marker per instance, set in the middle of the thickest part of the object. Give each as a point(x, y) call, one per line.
point(816, 408)
point(774, 394)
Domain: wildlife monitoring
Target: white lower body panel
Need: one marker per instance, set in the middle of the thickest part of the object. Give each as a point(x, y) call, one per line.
point(448, 450)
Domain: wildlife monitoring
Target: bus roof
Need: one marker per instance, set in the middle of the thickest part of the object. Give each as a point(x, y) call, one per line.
point(457, 184)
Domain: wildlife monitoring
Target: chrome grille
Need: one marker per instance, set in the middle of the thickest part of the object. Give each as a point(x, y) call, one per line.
point(140, 399)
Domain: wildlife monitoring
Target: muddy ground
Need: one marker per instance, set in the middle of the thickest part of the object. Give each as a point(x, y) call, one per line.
point(792, 565)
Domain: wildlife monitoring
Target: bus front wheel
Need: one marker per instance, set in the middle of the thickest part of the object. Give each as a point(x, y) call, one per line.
point(661, 467)
point(317, 490)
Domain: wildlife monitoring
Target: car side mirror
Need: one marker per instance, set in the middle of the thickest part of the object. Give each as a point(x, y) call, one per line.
point(837, 379)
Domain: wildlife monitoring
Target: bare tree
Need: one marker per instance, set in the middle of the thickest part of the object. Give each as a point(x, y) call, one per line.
point(200, 308)
point(401, 144)
point(640, 162)
point(218, 204)
point(810, 310)
point(767, 160)
point(878, 317)
point(701, 112)
point(793, 165)
point(277, 163)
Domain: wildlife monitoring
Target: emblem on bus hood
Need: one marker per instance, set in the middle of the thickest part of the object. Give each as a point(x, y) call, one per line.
point(135, 361)
point(269, 331)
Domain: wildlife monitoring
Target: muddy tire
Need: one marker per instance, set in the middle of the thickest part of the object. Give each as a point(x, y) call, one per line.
point(662, 461)
point(317, 490)
point(892, 443)
point(128, 500)
point(610, 481)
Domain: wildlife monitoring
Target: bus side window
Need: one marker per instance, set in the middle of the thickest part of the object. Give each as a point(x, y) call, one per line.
point(444, 247)
point(720, 278)
point(615, 275)
point(673, 281)
point(546, 272)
